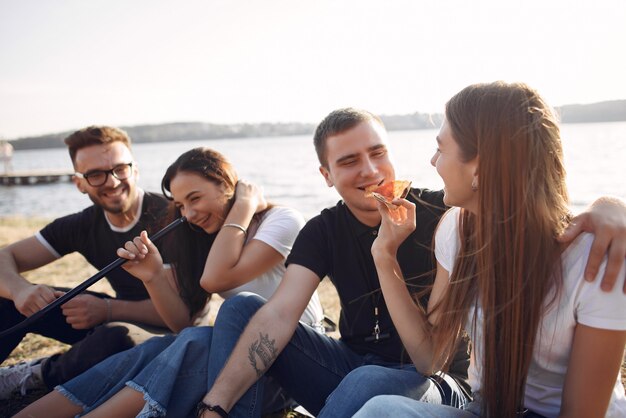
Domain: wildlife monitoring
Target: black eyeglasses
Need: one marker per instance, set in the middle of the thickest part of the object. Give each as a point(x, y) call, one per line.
point(97, 178)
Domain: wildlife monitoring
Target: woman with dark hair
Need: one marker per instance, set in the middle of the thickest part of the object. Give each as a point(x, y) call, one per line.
point(545, 342)
point(234, 242)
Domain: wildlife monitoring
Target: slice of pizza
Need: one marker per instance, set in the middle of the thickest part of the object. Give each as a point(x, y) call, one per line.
point(385, 193)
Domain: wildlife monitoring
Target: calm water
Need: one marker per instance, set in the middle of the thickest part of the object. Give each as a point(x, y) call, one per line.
point(286, 167)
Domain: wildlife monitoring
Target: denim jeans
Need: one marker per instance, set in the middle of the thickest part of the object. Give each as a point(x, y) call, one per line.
point(170, 372)
point(92, 388)
point(175, 380)
point(399, 406)
point(365, 382)
point(312, 366)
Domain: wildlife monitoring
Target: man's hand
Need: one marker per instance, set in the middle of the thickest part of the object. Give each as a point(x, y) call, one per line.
point(606, 219)
point(85, 311)
point(33, 298)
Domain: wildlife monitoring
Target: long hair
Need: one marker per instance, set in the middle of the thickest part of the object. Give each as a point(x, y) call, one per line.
point(187, 248)
point(508, 258)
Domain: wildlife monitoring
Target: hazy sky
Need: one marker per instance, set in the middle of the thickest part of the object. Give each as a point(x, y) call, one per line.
point(68, 64)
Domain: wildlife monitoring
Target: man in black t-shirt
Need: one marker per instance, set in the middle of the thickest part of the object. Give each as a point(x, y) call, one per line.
point(352, 149)
point(106, 172)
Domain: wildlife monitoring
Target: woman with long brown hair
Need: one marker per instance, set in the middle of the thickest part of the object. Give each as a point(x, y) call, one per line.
point(545, 341)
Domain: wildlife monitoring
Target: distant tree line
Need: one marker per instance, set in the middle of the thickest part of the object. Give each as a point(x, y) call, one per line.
point(611, 111)
point(184, 131)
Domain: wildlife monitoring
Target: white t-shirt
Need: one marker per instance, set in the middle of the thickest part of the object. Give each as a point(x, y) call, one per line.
point(579, 302)
point(278, 228)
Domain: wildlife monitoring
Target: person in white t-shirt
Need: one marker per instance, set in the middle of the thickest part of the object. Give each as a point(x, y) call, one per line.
point(545, 341)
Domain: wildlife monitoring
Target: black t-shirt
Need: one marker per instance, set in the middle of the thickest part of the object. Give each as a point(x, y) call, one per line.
point(89, 233)
point(337, 245)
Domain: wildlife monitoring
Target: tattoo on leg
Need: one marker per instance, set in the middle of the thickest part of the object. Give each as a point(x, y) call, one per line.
point(265, 350)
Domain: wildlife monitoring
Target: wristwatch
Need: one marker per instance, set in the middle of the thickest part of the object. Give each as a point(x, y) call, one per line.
point(202, 406)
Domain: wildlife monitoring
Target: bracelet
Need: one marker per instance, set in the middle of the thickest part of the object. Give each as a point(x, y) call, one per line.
point(241, 228)
point(109, 310)
point(202, 407)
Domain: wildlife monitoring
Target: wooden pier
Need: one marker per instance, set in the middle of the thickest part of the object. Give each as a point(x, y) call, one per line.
point(19, 178)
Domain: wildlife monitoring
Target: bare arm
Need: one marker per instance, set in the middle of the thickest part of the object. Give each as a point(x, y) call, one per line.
point(407, 317)
point(231, 264)
point(142, 311)
point(592, 371)
point(24, 255)
point(606, 219)
point(272, 326)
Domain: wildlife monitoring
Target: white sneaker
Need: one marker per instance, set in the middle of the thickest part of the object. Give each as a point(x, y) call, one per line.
point(23, 376)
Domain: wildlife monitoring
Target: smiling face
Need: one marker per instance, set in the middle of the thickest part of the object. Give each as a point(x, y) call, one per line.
point(117, 197)
point(355, 159)
point(201, 201)
point(457, 175)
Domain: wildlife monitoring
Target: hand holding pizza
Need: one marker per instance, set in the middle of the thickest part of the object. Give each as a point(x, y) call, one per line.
point(397, 213)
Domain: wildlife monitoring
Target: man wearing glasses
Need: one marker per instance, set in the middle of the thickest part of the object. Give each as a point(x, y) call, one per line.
point(105, 171)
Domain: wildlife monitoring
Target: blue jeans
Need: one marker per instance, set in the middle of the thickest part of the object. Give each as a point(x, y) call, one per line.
point(92, 388)
point(174, 381)
point(366, 382)
point(399, 406)
point(312, 366)
point(170, 372)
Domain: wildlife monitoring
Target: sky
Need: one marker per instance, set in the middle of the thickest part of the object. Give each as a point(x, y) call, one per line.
point(66, 64)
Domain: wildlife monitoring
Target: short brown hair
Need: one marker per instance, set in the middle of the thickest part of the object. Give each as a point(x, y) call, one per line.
point(95, 135)
point(336, 122)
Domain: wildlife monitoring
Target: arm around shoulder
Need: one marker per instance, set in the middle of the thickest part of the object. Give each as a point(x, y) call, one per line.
point(606, 219)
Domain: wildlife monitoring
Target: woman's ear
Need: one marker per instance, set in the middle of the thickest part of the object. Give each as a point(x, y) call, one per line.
point(474, 165)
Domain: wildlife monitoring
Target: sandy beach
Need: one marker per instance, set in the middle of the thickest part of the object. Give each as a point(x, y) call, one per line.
point(73, 269)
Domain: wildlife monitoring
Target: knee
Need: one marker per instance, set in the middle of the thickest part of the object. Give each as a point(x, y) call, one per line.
point(195, 340)
point(195, 334)
point(154, 345)
point(365, 376)
point(243, 305)
point(358, 386)
point(378, 406)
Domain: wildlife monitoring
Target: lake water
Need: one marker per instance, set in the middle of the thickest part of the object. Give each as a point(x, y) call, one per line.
point(286, 167)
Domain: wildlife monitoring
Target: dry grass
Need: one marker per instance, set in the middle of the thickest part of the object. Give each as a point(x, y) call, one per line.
point(72, 270)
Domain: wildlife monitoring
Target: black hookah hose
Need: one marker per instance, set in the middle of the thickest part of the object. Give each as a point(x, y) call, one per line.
point(84, 285)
